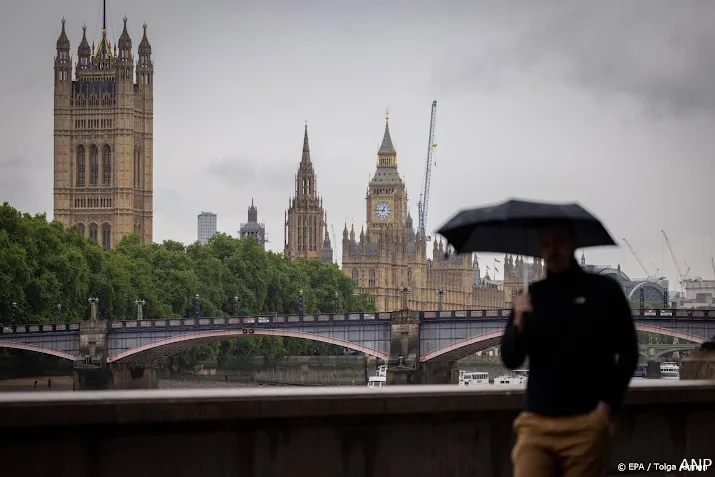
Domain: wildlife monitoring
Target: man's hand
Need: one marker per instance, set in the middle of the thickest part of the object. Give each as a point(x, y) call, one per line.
point(522, 305)
point(605, 410)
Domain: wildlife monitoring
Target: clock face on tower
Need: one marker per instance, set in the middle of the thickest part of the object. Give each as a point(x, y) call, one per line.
point(383, 210)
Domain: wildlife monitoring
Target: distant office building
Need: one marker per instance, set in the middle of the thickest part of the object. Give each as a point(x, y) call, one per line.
point(207, 226)
point(253, 228)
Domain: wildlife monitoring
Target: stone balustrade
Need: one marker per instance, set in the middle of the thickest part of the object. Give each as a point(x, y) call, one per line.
point(410, 431)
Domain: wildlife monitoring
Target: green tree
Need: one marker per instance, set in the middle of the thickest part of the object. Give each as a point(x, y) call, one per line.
point(43, 264)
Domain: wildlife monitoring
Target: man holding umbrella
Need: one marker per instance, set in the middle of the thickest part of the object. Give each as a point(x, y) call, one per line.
point(575, 327)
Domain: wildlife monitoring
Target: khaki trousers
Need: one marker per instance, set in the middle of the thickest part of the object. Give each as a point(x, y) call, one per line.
point(573, 446)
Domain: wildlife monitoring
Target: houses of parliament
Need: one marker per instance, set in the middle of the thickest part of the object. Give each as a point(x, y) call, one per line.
point(389, 257)
point(103, 186)
point(103, 132)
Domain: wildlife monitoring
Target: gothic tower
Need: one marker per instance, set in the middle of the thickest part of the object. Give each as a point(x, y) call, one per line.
point(386, 199)
point(306, 234)
point(103, 128)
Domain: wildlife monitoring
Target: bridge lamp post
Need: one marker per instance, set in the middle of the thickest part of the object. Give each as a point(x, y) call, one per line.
point(197, 303)
point(14, 314)
point(441, 293)
point(93, 308)
point(140, 309)
point(337, 302)
point(300, 303)
point(235, 305)
point(59, 313)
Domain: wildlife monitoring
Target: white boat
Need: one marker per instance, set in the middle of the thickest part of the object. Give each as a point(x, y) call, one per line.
point(472, 378)
point(380, 379)
point(669, 370)
point(522, 373)
point(510, 379)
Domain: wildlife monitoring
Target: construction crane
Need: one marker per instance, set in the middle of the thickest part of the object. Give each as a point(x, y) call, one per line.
point(651, 278)
point(423, 203)
point(682, 276)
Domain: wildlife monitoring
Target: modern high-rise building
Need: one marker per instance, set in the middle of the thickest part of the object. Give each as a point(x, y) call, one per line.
point(103, 128)
point(306, 231)
point(207, 227)
point(253, 228)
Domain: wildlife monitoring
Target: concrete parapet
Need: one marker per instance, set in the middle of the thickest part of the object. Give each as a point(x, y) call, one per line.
point(414, 431)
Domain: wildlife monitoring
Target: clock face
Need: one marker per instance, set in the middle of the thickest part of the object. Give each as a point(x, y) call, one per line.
point(383, 210)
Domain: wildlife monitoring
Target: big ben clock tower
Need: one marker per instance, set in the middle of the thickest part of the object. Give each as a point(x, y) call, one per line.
point(386, 198)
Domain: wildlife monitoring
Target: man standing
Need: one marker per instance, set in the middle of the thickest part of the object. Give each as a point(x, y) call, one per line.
point(577, 330)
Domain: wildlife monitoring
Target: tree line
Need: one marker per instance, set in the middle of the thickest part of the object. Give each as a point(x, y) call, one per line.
point(43, 265)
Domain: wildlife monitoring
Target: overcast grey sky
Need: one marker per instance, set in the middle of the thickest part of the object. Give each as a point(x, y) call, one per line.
point(609, 103)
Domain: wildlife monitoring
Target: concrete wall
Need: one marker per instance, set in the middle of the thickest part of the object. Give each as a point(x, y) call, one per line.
point(409, 431)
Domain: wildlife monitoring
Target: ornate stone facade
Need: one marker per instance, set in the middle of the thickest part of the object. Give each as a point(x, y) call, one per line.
point(514, 270)
point(103, 128)
point(306, 230)
point(253, 228)
point(390, 256)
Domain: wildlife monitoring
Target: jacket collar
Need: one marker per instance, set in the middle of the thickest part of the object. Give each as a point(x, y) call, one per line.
point(571, 272)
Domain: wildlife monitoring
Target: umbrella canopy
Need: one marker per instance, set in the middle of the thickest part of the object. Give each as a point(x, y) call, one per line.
point(513, 227)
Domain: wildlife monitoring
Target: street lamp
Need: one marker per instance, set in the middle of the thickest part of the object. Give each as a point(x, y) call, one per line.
point(196, 306)
point(441, 293)
point(140, 309)
point(235, 305)
point(337, 302)
point(300, 304)
point(14, 313)
point(59, 312)
point(93, 308)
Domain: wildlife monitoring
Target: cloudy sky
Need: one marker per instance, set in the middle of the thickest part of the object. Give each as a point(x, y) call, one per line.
point(608, 103)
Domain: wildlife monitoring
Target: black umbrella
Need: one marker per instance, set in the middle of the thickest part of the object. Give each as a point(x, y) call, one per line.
point(513, 227)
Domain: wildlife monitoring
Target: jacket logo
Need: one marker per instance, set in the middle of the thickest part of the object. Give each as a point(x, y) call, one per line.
point(580, 300)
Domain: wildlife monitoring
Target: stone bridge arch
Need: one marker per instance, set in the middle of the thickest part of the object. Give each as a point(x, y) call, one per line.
point(37, 349)
point(659, 353)
point(463, 348)
point(151, 352)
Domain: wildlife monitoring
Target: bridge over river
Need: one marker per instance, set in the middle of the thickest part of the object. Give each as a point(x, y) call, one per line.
point(409, 340)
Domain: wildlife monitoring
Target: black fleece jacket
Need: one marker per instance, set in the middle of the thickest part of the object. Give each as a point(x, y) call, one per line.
point(580, 340)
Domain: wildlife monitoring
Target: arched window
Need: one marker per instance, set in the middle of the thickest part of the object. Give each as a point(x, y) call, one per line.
point(106, 236)
point(409, 274)
point(80, 227)
point(137, 168)
point(106, 165)
point(93, 231)
point(355, 276)
point(81, 166)
point(371, 282)
point(93, 165)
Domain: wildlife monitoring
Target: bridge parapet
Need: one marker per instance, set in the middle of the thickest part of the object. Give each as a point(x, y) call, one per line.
point(253, 321)
point(322, 432)
point(332, 318)
point(39, 328)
